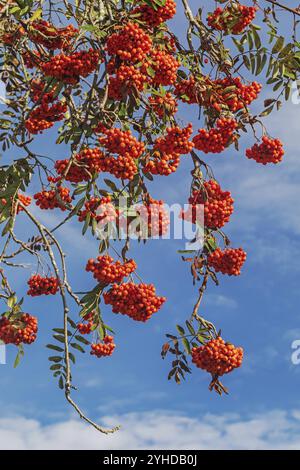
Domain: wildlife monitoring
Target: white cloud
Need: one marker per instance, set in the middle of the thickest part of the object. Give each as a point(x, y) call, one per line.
point(219, 300)
point(158, 430)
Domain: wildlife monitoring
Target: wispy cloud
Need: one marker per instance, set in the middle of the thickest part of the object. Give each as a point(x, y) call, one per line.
point(275, 429)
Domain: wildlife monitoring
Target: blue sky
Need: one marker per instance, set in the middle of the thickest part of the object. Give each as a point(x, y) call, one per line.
point(258, 310)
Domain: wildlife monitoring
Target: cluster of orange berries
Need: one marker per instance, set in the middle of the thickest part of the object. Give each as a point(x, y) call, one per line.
point(44, 116)
point(103, 349)
point(138, 301)
point(161, 163)
point(217, 139)
point(154, 218)
point(84, 164)
point(39, 93)
point(163, 105)
point(39, 285)
point(25, 200)
point(188, 90)
point(21, 330)
point(165, 67)
point(127, 80)
point(130, 44)
point(69, 68)
point(100, 209)
point(43, 33)
point(156, 15)
point(176, 141)
point(106, 271)
point(88, 327)
point(54, 198)
point(233, 19)
point(217, 357)
point(127, 148)
point(228, 261)
point(238, 97)
point(269, 151)
point(218, 205)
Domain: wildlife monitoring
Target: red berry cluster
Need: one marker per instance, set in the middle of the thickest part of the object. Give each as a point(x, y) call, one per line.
point(161, 163)
point(138, 301)
point(229, 261)
point(217, 357)
point(163, 105)
point(39, 285)
point(25, 200)
point(39, 93)
point(49, 36)
point(154, 218)
point(84, 164)
point(188, 91)
point(127, 148)
point(44, 116)
point(106, 271)
point(103, 349)
point(21, 330)
point(100, 209)
point(269, 151)
point(237, 98)
point(130, 44)
point(55, 198)
point(217, 139)
point(165, 67)
point(89, 326)
point(233, 19)
point(218, 205)
point(176, 141)
point(121, 143)
point(11, 37)
point(127, 80)
point(156, 15)
point(69, 68)
point(32, 59)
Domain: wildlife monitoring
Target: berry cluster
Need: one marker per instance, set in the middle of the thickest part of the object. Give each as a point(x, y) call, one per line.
point(161, 163)
point(217, 357)
point(89, 326)
point(188, 90)
point(32, 59)
point(43, 33)
point(100, 209)
point(103, 349)
point(233, 19)
point(127, 148)
point(229, 261)
point(83, 166)
point(156, 15)
point(217, 139)
point(130, 44)
point(138, 301)
point(39, 285)
point(55, 198)
point(233, 94)
point(39, 93)
point(44, 116)
point(21, 330)
point(269, 151)
point(69, 68)
point(121, 143)
point(127, 80)
point(165, 67)
point(163, 105)
point(153, 217)
point(106, 271)
point(25, 200)
point(218, 205)
point(176, 141)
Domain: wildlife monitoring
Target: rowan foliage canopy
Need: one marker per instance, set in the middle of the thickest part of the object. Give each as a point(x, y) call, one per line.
point(111, 78)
